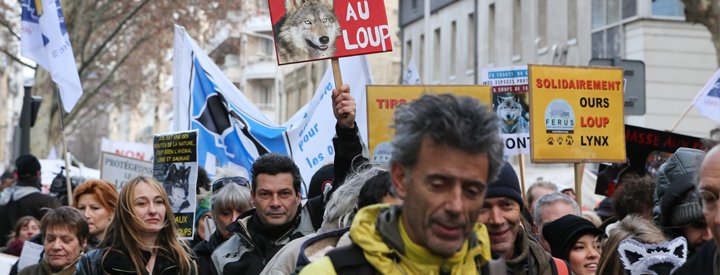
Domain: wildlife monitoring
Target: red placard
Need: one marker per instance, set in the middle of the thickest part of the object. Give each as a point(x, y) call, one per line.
point(320, 29)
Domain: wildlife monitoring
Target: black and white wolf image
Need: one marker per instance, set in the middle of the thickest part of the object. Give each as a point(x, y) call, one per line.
point(511, 114)
point(176, 184)
point(307, 31)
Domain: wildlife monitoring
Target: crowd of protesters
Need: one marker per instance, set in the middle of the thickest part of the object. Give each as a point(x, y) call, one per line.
point(447, 203)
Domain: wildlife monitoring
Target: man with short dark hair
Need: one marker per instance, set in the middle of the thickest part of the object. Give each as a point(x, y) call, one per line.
point(445, 151)
point(23, 199)
point(65, 233)
point(278, 216)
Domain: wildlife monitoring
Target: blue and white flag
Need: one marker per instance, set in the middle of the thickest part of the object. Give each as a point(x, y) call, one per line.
point(232, 132)
point(45, 40)
point(708, 100)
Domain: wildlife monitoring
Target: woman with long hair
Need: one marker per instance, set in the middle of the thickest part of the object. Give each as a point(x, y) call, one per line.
point(97, 200)
point(142, 238)
point(25, 228)
point(631, 227)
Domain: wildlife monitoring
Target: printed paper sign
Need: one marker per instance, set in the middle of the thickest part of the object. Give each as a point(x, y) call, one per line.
point(510, 102)
point(319, 29)
point(118, 170)
point(577, 114)
point(176, 168)
point(382, 101)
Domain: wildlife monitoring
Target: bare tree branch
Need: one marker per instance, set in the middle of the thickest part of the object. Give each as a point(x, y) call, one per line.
point(100, 48)
point(84, 100)
point(9, 28)
point(14, 58)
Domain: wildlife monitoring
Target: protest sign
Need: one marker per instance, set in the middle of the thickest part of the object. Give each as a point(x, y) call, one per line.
point(134, 150)
point(383, 99)
point(118, 170)
point(319, 29)
point(647, 149)
point(577, 114)
point(510, 102)
point(176, 167)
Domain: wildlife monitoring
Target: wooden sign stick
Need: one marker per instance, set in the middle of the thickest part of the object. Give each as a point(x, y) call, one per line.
point(336, 72)
point(579, 169)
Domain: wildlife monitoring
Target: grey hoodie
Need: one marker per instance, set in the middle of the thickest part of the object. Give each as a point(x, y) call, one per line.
point(16, 192)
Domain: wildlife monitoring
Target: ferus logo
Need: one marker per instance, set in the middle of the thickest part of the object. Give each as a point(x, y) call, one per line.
point(559, 117)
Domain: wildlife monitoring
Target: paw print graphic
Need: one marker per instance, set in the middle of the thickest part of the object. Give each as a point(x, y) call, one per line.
point(559, 140)
point(550, 141)
point(569, 140)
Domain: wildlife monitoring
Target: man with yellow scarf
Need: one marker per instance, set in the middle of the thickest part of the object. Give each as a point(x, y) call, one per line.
point(445, 151)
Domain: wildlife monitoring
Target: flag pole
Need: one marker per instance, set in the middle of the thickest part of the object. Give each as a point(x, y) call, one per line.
point(65, 150)
point(682, 116)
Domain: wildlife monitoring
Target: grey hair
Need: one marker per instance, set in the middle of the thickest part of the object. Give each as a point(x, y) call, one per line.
point(539, 183)
point(459, 122)
point(343, 201)
point(550, 199)
point(233, 196)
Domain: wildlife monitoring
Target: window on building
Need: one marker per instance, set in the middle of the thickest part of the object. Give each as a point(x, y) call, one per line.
point(408, 52)
point(668, 8)
point(421, 56)
point(610, 12)
point(414, 4)
point(470, 36)
point(517, 28)
point(266, 46)
point(608, 43)
point(437, 50)
point(542, 24)
point(608, 17)
point(265, 95)
point(491, 34)
point(453, 47)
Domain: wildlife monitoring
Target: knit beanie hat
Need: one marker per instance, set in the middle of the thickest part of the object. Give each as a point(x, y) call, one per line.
point(676, 199)
point(506, 185)
point(561, 234)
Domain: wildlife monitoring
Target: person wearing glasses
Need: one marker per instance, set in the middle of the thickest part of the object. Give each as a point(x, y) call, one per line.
point(707, 257)
point(230, 199)
point(279, 217)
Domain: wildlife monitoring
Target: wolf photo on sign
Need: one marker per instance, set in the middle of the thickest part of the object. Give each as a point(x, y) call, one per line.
point(306, 30)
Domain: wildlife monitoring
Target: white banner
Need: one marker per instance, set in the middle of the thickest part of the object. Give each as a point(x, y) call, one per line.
point(118, 170)
point(411, 75)
point(45, 40)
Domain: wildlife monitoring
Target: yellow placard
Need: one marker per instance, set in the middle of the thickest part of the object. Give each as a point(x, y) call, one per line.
point(577, 114)
point(383, 99)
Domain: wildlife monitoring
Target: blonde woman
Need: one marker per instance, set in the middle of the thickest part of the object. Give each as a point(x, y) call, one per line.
point(631, 227)
point(142, 238)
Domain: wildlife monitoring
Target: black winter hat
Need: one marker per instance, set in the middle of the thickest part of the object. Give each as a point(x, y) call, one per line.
point(322, 176)
point(27, 166)
point(676, 199)
point(561, 234)
point(506, 185)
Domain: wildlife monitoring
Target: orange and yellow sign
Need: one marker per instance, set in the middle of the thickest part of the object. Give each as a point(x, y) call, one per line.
point(577, 114)
point(383, 99)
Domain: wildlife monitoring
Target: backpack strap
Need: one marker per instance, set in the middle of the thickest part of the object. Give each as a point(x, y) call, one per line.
point(350, 260)
point(559, 267)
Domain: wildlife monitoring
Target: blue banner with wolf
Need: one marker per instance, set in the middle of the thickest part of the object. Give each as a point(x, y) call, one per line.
point(510, 102)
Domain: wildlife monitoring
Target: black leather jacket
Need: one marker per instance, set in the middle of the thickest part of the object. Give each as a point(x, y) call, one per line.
point(118, 262)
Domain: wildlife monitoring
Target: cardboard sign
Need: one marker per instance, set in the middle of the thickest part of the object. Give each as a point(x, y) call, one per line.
point(118, 170)
point(647, 149)
point(308, 30)
point(510, 102)
point(382, 101)
point(577, 114)
point(176, 168)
